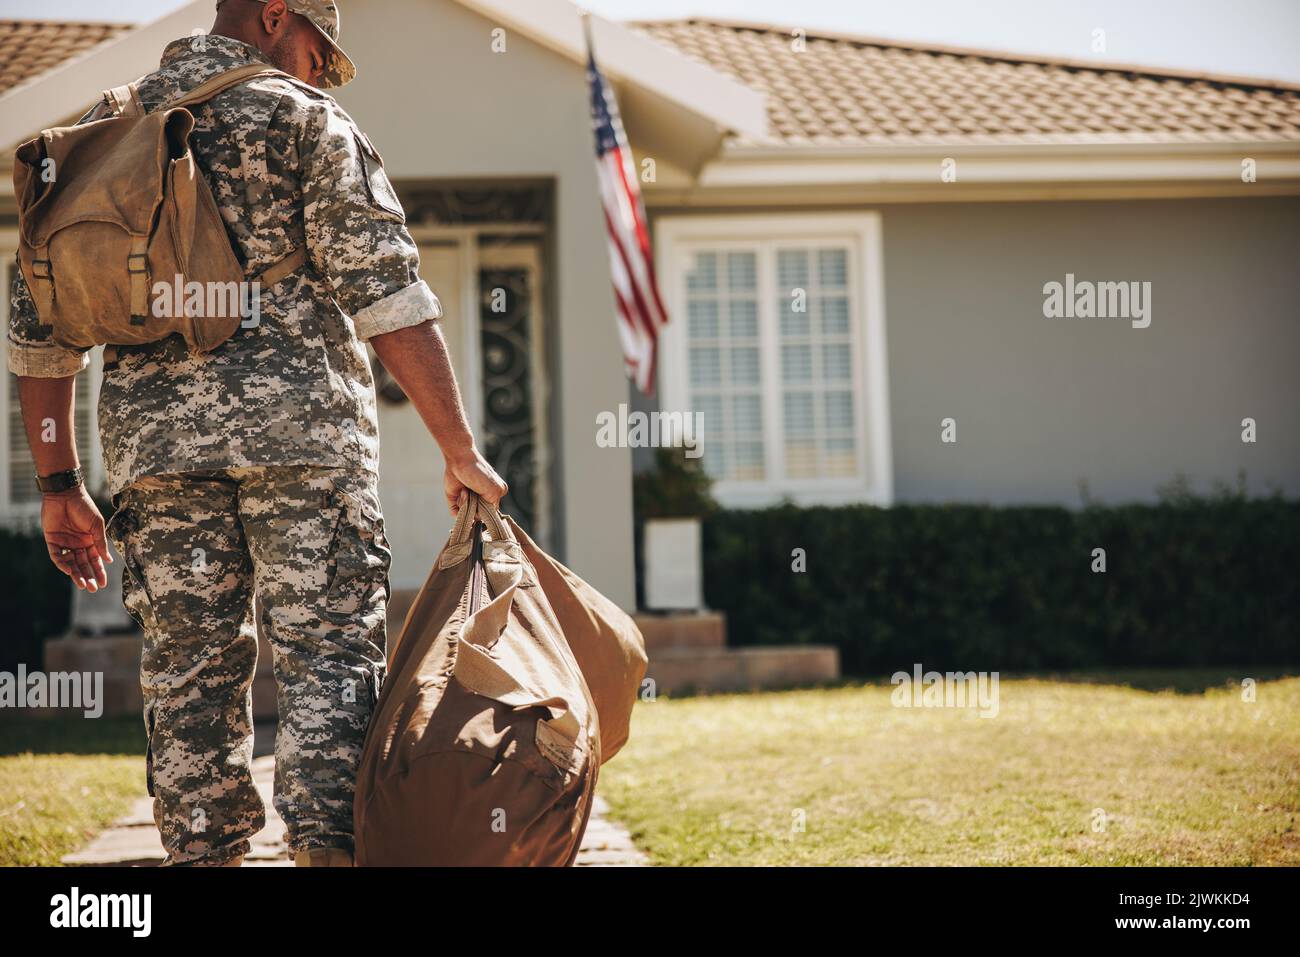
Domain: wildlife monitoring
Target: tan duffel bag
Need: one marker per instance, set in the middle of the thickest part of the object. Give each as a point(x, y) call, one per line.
point(485, 746)
point(109, 208)
point(603, 638)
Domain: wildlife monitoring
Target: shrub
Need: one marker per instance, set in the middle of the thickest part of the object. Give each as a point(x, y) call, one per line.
point(35, 602)
point(1188, 582)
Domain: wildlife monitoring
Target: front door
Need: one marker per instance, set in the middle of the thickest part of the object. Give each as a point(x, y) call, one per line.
point(512, 423)
point(490, 290)
point(416, 519)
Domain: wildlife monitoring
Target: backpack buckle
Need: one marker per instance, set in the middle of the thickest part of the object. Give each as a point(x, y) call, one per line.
point(49, 269)
point(144, 269)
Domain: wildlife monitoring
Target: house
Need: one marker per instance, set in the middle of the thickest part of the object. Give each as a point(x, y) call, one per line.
point(895, 273)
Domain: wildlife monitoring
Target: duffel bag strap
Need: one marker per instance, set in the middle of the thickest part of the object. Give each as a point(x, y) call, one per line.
point(476, 508)
point(465, 542)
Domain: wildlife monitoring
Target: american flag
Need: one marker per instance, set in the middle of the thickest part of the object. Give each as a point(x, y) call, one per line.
point(640, 310)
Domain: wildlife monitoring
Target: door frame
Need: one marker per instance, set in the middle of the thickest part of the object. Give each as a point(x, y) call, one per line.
point(528, 256)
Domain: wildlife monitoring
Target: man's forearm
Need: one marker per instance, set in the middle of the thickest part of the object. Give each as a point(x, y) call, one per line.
point(417, 358)
point(48, 418)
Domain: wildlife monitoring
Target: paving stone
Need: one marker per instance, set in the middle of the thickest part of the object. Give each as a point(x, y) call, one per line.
point(133, 838)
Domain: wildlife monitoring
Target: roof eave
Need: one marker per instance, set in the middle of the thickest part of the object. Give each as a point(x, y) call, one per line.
point(1102, 144)
point(1275, 162)
point(63, 91)
point(628, 56)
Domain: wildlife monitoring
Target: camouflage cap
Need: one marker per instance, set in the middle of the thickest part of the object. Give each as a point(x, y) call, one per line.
point(324, 16)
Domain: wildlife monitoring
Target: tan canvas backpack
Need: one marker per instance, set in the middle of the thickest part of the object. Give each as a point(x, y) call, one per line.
point(108, 208)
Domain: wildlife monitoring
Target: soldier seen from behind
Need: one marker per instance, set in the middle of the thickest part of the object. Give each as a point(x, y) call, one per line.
point(252, 469)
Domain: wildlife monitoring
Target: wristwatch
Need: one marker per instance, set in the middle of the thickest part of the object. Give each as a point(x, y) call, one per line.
point(61, 481)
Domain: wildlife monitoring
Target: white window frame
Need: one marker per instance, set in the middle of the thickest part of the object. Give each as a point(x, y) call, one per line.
point(24, 514)
point(677, 237)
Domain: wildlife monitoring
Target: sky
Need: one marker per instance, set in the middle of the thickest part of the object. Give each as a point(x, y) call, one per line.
point(1258, 38)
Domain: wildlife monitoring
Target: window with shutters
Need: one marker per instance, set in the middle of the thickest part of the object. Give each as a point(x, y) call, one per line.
point(776, 338)
point(19, 498)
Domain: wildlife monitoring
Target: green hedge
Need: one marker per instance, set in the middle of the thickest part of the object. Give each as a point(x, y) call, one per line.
point(1189, 582)
point(35, 599)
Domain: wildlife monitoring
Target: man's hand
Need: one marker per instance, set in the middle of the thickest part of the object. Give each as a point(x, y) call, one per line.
point(74, 535)
point(416, 356)
point(471, 471)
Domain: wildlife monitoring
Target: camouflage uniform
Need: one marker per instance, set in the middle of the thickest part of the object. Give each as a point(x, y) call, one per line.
point(253, 467)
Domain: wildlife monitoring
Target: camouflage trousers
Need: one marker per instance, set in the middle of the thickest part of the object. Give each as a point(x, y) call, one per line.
point(197, 546)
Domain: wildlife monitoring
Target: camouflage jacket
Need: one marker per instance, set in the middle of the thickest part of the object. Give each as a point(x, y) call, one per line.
point(288, 168)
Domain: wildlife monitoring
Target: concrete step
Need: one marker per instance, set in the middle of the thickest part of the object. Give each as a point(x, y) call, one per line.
point(687, 652)
point(119, 694)
point(697, 670)
point(705, 629)
point(108, 653)
point(117, 657)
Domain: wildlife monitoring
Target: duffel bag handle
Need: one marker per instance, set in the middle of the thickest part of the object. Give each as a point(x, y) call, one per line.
point(475, 508)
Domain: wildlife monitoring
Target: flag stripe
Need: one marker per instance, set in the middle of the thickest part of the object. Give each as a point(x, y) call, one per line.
point(642, 235)
point(635, 259)
point(639, 308)
point(629, 285)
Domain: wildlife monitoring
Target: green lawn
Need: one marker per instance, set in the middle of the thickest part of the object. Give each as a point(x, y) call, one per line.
point(1190, 775)
point(62, 781)
point(1187, 776)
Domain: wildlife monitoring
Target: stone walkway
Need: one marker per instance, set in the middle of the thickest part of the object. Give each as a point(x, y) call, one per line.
point(133, 839)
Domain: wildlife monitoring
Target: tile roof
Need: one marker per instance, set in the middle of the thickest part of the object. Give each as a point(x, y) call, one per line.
point(29, 48)
point(851, 91)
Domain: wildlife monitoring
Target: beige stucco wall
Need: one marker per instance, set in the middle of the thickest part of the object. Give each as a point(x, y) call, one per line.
point(1042, 404)
point(440, 105)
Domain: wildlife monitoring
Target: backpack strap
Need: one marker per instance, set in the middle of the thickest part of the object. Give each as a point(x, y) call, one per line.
point(137, 265)
point(223, 81)
point(124, 100)
point(280, 270)
point(139, 283)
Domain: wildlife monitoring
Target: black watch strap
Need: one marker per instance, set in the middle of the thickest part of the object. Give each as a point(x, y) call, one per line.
point(61, 481)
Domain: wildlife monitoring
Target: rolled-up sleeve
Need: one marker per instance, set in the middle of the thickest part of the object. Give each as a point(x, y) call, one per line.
point(406, 307)
point(355, 228)
point(32, 350)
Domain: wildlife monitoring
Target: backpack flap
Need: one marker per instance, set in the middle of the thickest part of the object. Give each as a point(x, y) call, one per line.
point(109, 206)
point(32, 186)
point(88, 198)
